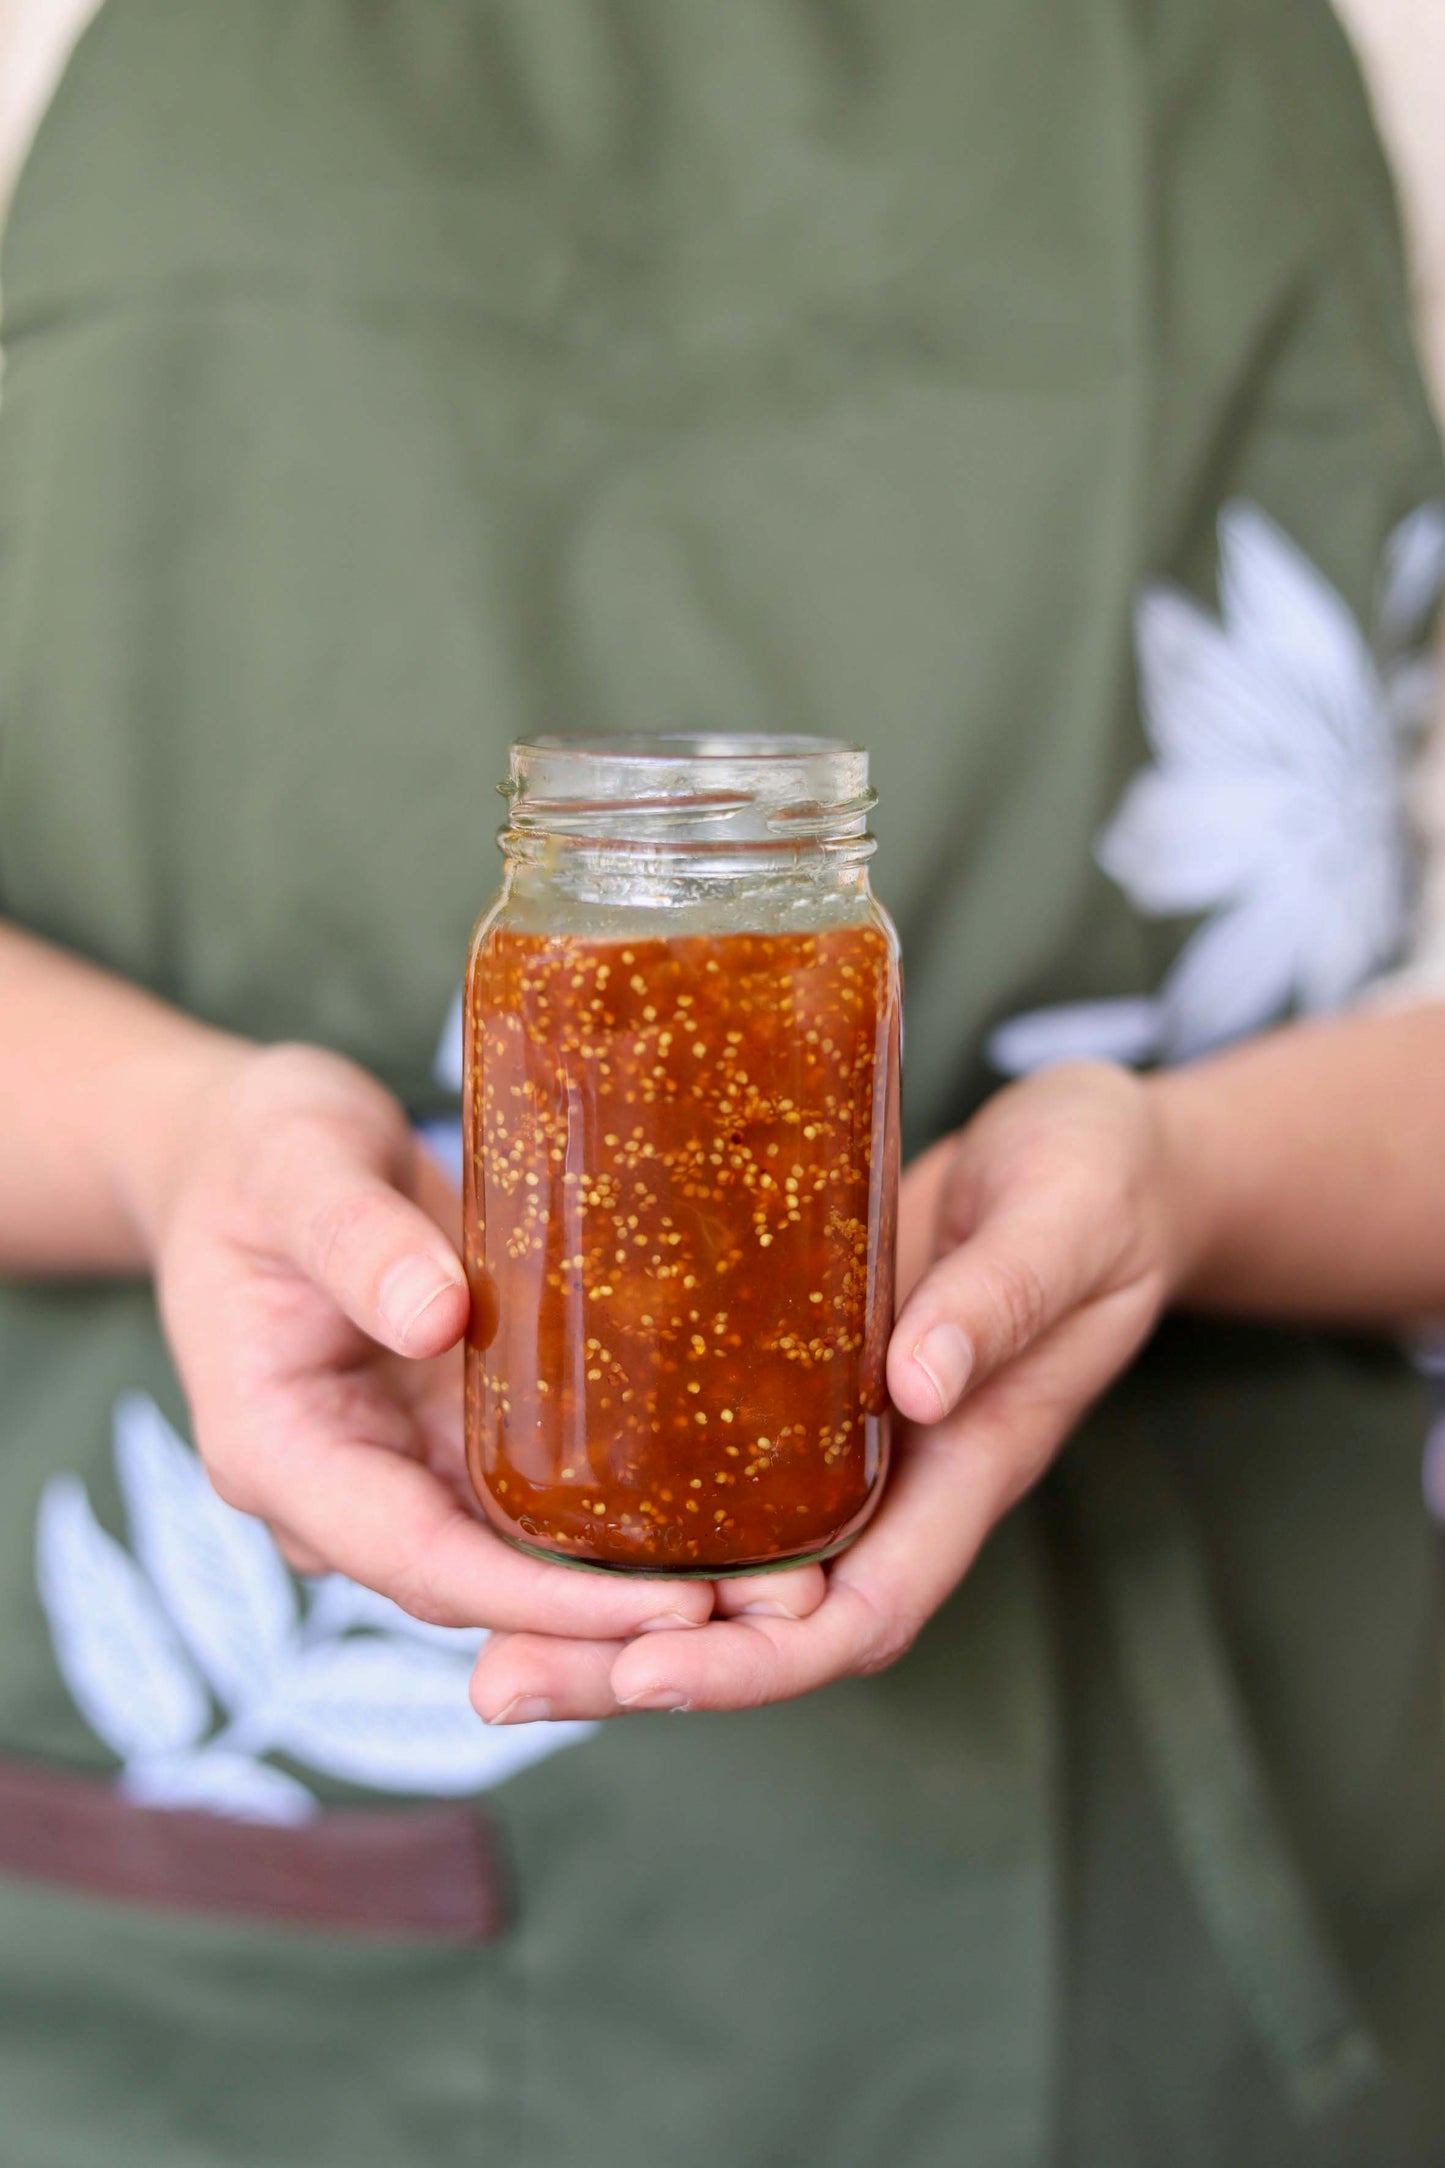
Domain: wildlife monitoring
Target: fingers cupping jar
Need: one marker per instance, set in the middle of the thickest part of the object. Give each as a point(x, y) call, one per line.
point(682, 1027)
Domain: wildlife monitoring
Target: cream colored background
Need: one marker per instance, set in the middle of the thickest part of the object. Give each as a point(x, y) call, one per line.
point(35, 38)
point(1402, 44)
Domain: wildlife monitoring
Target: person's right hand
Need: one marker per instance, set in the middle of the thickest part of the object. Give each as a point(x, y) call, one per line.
point(314, 1302)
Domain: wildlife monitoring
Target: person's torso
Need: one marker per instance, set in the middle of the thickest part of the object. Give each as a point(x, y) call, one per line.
point(386, 383)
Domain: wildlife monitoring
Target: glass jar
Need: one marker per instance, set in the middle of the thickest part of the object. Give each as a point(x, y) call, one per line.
point(681, 1165)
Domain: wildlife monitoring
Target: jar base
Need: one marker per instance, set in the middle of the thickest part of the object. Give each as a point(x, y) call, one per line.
point(681, 1573)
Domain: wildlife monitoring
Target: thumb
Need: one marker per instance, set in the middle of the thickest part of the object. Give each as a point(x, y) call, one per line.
point(382, 1259)
point(982, 1304)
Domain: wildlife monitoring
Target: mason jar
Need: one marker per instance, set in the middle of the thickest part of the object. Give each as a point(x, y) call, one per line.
point(681, 1162)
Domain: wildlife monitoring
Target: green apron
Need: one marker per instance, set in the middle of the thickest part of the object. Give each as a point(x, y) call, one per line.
point(385, 381)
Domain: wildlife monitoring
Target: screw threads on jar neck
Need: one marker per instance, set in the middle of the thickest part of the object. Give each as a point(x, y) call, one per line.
point(712, 801)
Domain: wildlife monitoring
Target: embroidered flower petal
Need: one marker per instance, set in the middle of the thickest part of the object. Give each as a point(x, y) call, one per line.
point(1276, 798)
point(1233, 976)
point(1295, 633)
point(1183, 840)
point(447, 1062)
point(1356, 931)
point(442, 1138)
point(1413, 577)
point(1435, 1470)
point(1204, 705)
point(1125, 1031)
point(1412, 688)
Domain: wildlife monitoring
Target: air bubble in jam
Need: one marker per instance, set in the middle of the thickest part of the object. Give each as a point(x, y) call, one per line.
point(680, 1216)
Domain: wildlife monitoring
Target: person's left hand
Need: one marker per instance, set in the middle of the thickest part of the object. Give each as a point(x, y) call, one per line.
point(1036, 1251)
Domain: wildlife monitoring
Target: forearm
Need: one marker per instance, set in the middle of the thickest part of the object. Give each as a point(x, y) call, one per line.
point(97, 1080)
point(1307, 1171)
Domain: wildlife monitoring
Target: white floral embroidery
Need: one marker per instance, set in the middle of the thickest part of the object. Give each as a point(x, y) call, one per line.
point(1435, 1469)
point(1275, 802)
point(1426, 1348)
point(205, 1618)
point(443, 1135)
point(447, 1065)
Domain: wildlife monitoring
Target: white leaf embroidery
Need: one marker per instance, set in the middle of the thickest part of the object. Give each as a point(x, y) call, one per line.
point(218, 1782)
point(217, 1571)
point(393, 1714)
point(124, 1665)
point(1274, 806)
point(354, 1686)
point(338, 1604)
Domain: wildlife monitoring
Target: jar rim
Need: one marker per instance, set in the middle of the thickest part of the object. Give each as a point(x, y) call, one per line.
point(711, 792)
point(678, 745)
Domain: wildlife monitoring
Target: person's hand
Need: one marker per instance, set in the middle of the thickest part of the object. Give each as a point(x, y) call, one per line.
point(313, 1298)
point(1036, 1250)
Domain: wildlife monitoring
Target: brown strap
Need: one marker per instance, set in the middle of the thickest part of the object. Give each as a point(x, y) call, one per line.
point(428, 1871)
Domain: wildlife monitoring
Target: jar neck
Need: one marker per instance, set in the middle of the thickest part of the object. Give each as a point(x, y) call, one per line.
point(666, 821)
point(620, 874)
point(704, 796)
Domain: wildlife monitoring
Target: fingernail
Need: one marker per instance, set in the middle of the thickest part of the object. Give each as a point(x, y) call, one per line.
point(766, 1610)
point(663, 1697)
point(665, 1622)
point(524, 1709)
point(945, 1358)
point(408, 1292)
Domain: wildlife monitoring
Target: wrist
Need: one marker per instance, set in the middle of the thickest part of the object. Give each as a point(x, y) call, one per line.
point(157, 1113)
point(1190, 1188)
